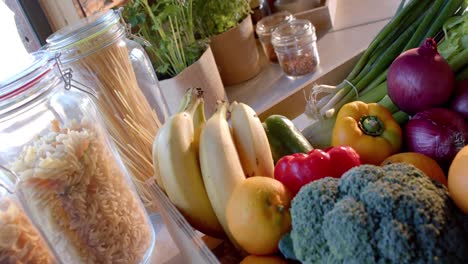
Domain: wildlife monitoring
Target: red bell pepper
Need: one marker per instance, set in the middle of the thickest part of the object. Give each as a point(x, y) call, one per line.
point(296, 170)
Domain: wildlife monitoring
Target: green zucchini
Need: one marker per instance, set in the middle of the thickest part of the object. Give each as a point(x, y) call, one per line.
point(277, 149)
point(292, 141)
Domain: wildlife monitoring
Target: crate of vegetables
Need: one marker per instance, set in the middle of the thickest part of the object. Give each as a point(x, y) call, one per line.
point(380, 177)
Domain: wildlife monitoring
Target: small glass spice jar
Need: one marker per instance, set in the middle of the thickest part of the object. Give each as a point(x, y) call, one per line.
point(295, 45)
point(265, 28)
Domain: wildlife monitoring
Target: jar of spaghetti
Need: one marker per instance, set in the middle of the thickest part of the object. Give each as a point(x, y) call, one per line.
point(295, 45)
point(71, 180)
point(101, 56)
point(20, 240)
point(265, 28)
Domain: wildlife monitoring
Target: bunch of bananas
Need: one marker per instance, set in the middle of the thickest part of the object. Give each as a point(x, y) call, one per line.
point(200, 161)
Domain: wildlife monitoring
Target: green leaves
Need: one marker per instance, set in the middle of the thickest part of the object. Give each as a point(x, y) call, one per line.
point(168, 26)
point(217, 16)
point(137, 20)
point(178, 29)
point(169, 10)
point(456, 36)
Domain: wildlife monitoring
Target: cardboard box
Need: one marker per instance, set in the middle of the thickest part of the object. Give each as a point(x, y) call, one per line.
point(322, 17)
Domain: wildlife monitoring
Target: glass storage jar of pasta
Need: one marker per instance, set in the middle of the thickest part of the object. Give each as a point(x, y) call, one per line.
point(20, 240)
point(101, 56)
point(71, 179)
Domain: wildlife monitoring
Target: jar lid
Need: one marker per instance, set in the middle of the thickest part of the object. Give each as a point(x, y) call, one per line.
point(41, 63)
point(267, 24)
point(293, 33)
point(83, 29)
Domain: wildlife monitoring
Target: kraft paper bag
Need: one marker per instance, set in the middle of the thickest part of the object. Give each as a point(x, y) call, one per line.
point(236, 54)
point(202, 74)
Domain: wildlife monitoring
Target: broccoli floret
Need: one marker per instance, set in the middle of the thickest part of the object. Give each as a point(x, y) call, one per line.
point(343, 239)
point(285, 246)
point(309, 206)
point(390, 214)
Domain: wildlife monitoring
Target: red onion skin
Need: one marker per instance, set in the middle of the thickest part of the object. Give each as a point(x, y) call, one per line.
point(438, 133)
point(459, 102)
point(420, 79)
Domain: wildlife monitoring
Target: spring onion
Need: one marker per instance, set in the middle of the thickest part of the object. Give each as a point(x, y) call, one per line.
point(411, 25)
point(365, 73)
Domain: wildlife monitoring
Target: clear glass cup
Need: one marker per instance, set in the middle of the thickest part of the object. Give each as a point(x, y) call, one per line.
point(20, 240)
point(72, 181)
point(295, 46)
point(265, 28)
point(101, 56)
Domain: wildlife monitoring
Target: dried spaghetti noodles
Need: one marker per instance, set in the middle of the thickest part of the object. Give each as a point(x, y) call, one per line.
point(128, 116)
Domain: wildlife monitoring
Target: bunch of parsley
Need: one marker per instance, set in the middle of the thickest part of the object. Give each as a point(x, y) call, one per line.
point(168, 25)
point(217, 16)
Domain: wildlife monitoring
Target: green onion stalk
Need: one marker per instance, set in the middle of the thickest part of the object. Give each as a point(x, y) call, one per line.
point(411, 25)
point(454, 47)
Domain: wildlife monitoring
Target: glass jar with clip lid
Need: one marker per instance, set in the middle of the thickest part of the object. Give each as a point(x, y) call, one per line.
point(101, 56)
point(71, 179)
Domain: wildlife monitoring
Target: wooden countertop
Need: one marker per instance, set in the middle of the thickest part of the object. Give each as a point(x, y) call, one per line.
point(356, 24)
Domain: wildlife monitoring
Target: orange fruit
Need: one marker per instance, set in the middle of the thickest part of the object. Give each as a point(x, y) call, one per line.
point(458, 180)
point(257, 214)
point(252, 259)
point(420, 161)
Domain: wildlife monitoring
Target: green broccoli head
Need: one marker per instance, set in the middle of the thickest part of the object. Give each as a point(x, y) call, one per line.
point(390, 214)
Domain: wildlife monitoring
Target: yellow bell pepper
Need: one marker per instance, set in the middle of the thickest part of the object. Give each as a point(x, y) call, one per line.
point(368, 128)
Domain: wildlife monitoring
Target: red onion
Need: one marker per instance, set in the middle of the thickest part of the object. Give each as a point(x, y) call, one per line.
point(459, 102)
point(420, 79)
point(438, 133)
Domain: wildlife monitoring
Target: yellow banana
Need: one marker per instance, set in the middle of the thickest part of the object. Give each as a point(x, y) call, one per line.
point(188, 97)
point(177, 155)
point(220, 164)
point(198, 124)
point(251, 141)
